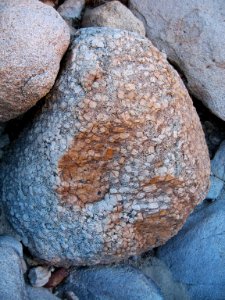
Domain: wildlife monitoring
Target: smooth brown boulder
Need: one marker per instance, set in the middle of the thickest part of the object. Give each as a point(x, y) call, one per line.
point(113, 14)
point(33, 39)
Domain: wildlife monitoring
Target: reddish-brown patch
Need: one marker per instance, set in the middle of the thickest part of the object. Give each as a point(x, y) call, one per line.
point(155, 229)
point(167, 180)
point(85, 168)
point(57, 277)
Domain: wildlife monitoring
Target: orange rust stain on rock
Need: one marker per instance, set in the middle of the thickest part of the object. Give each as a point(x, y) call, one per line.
point(85, 168)
point(156, 228)
point(163, 180)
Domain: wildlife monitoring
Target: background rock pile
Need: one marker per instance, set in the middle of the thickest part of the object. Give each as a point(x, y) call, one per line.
point(108, 166)
point(187, 32)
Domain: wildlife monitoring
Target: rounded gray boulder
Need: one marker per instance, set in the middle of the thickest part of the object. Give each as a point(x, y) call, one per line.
point(110, 283)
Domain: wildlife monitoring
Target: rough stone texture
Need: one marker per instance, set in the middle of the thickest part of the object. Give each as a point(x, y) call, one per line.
point(12, 285)
point(217, 178)
point(110, 283)
point(115, 15)
point(71, 11)
point(33, 39)
point(196, 255)
point(192, 33)
point(115, 162)
point(5, 227)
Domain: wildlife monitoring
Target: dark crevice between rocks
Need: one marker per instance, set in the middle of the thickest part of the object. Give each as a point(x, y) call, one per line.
point(95, 3)
point(214, 128)
point(15, 126)
point(179, 71)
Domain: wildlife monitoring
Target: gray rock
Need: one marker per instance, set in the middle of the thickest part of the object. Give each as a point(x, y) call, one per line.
point(217, 178)
point(156, 270)
point(8, 241)
point(216, 186)
point(218, 163)
point(112, 14)
point(116, 160)
point(111, 283)
point(196, 255)
point(28, 69)
point(5, 227)
point(192, 33)
point(12, 285)
point(40, 294)
point(71, 11)
point(39, 276)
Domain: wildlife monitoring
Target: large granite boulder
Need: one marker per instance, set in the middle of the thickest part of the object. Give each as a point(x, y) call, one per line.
point(112, 14)
point(33, 39)
point(192, 33)
point(196, 255)
point(115, 162)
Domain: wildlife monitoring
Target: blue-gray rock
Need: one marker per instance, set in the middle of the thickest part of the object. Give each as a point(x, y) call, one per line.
point(39, 276)
point(71, 12)
point(8, 241)
point(218, 163)
point(39, 294)
point(196, 256)
point(111, 283)
point(154, 268)
point(12, 285)
point(192, 34)
point(5, 227)
point(216, 186)
point(217, 178)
